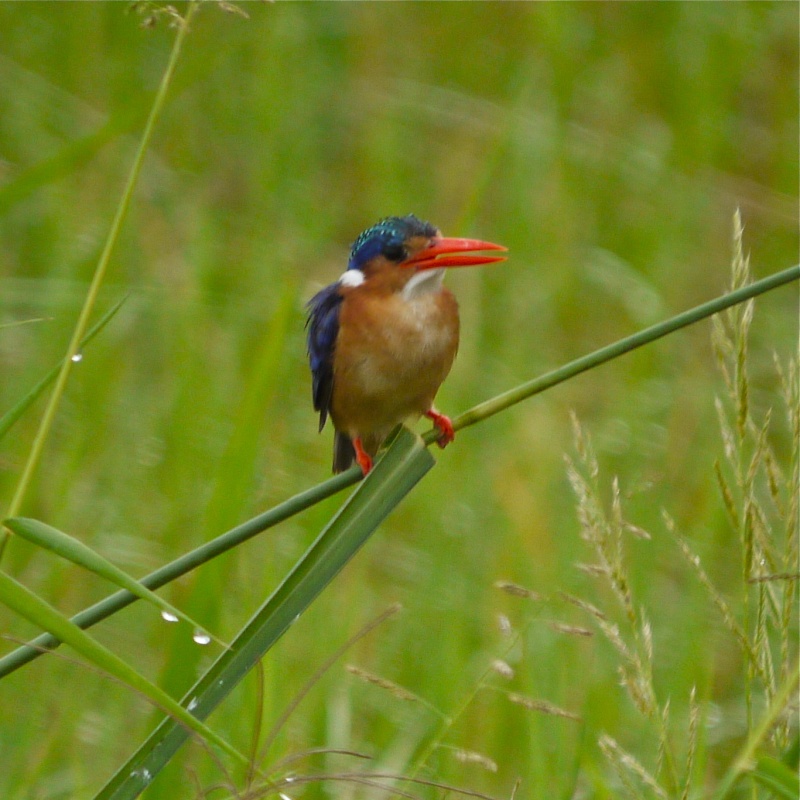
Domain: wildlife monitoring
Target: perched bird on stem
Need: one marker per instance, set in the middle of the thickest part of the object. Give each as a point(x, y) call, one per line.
point(383, 337)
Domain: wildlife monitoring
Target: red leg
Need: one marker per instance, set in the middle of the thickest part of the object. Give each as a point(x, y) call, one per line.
point(362, 456)
point(444, 425)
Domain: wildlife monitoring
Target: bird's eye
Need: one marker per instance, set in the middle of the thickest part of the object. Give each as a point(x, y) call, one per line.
point(395, 252)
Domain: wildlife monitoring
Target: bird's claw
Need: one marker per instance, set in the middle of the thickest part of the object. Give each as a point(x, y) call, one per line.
point(444, 426)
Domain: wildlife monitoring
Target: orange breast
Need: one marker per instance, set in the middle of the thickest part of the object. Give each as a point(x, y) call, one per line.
point(392, 354)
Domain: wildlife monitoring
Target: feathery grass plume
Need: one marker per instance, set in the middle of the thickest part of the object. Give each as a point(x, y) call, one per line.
point(232, 8)
point(152, 13)
point(515, 590)
point(790, 391)
point(569, 630)
point(502, 668)
point(761, 502)
point(605, 532)
point(390, 686)
point(691, 749)
point(627, 766)
point(471, 757)
point(584, 606)
point(542, 706)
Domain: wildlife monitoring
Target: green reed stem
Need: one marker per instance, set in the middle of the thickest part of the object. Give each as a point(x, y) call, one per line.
point(503, 401)
point(247, 530)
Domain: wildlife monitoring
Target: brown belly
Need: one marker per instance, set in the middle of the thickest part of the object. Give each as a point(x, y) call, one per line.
point(390, 360)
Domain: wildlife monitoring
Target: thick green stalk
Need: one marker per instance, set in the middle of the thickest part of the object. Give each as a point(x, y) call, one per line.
point(186, 563)
point(394, 476)
point(97, 279)
point(523, 392)
point(241, 533)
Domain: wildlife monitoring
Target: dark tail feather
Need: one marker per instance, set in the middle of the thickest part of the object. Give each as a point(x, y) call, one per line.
point(344, 455)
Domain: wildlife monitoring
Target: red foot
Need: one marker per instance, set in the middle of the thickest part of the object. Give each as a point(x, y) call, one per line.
point(444, 425)
point(363, 458)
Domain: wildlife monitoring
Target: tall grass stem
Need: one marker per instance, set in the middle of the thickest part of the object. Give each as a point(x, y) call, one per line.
point(97, 279)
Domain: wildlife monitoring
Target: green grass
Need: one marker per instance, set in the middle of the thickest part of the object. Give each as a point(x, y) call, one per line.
point(608, 147)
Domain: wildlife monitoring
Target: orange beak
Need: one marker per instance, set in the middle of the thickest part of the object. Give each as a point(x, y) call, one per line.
point(453, 253)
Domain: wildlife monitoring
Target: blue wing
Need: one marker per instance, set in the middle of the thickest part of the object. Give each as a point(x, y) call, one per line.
point(323, 328)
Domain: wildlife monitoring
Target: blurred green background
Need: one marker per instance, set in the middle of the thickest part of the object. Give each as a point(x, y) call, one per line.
point(607, 145)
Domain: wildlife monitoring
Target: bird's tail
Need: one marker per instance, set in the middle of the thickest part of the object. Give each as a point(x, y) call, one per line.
point(344, 454)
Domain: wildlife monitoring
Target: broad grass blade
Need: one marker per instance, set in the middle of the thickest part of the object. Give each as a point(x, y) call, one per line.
point(393, 477)
point(777, 777)
point(33, 608)
point(186, 563)
point(72, 549)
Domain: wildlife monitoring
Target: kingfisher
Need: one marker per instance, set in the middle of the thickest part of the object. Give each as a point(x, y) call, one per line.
point(383, 337)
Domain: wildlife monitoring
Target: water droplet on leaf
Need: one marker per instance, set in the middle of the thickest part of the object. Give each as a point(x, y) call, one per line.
point(201, 637)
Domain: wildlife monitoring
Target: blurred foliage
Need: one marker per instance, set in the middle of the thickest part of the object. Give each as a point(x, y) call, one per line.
point(606, 145)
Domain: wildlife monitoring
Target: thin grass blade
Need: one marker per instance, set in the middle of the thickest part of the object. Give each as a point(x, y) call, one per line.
point(403, 465)
point(30, 606)
point(82, 323)
point(13, 414)
point(72, 549)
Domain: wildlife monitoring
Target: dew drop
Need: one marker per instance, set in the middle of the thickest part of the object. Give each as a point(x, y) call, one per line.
point(76, 357)
point(192, 704)
point(201, 637)
point(168, 616)
point(144, 775)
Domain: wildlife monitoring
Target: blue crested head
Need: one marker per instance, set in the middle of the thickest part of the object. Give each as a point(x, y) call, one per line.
point(387, 238)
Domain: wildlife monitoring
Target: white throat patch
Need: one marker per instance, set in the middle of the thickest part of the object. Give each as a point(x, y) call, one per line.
point(352, 277)
point(429, 280)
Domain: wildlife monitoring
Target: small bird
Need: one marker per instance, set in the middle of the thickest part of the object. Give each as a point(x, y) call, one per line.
point(383, 337)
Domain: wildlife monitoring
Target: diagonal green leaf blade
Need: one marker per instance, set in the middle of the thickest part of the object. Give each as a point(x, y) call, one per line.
point(72, 549)
point(13, 414)
point(30, 606)
point(393, 477)
point(777, 777)
point(742, 764)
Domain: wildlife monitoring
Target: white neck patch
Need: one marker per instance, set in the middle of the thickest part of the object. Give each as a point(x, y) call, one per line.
point(352, 277)
point(429, 280)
